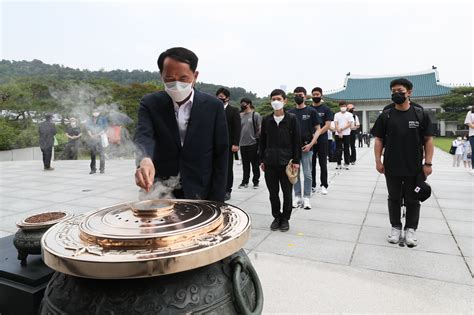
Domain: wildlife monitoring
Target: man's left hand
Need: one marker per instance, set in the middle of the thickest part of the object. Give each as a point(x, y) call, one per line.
point(235, 148)
point(427, 170)
point(307, 147)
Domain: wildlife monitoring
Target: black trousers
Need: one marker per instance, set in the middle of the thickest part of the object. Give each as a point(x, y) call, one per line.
point(360, 141)
point(402, 187)
point(353, 146)
point(230, 171)
point(321, 149)
point(47, 155)
point(70, 151)
point(250, 158)
point(96, 148)
point(275, 177)
point(342, 144)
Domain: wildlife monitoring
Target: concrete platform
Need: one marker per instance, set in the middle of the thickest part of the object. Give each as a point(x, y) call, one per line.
point(334, 258)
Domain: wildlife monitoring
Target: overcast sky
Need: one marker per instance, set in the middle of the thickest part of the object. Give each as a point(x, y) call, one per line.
point(258, 45)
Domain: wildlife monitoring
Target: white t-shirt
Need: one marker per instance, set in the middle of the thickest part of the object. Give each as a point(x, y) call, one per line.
point(356, 123)
point(342, 119)
point(470, 119)
point(278, 119)
point(459, 146)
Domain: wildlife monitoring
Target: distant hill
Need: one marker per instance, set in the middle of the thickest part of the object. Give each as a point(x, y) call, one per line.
point(36, 68)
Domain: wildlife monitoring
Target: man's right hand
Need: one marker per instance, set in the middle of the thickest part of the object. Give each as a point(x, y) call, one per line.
point(379, 166)
point(145, 174)
point(262, 166)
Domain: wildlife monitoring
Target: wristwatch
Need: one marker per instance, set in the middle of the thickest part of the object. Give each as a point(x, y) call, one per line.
point(428, 164)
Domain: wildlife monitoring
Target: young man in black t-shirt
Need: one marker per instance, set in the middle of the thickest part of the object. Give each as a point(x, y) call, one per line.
point(309, 123)
point(406, 136)
point(322, 146)
point(73, 133)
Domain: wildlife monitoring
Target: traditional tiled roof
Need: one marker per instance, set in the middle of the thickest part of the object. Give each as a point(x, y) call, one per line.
point(425, 84)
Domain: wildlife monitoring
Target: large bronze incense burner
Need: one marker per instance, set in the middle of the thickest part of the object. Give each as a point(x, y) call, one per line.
point(154, 256)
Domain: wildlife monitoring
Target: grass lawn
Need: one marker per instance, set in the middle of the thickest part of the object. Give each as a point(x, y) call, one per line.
point(444, 143)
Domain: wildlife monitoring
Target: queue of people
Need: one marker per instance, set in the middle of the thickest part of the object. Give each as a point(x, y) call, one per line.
point(192, 136)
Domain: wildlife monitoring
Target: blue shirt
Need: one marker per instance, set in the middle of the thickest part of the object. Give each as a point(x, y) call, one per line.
point(308, 118)
point(326, 115)
point(98, 126)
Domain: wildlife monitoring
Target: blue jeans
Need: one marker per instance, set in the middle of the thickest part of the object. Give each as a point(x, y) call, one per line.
point(471, 141)
point(306, 163)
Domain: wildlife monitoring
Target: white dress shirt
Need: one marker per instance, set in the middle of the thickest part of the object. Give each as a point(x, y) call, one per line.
point(183, 113)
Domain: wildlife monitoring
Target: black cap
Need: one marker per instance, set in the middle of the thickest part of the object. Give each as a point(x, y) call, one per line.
point(422, 189)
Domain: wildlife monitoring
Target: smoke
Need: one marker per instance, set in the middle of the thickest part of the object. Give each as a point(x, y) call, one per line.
point(161, 189)
point(79, 100)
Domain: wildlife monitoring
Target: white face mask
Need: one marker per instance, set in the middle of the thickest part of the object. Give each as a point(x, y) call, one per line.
point(277, 105)
point(95, 114)
point(343, 109)
point(73, 124)
point(178, 90)
point(459, 138)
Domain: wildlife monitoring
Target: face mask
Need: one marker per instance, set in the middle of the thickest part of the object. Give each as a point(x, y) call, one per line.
point(95, 114)
point(277, 105)
point(299, 100)
point(316, 99)
point(459, 138)
point(73, 124)
point(398, 98)
point(178, 90)
point(343, 109)
point(223, 100)
point(243, 107)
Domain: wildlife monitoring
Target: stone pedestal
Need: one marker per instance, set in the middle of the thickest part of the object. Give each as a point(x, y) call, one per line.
point(21, 287)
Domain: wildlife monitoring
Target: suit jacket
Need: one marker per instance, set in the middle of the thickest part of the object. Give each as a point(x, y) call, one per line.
point(47, 131)
point(232, 115)
point(202, 159)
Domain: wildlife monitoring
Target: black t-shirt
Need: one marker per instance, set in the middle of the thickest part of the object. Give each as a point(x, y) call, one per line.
point(326, 115)
point(308, 118)
point(403, 143)
point(73, 131)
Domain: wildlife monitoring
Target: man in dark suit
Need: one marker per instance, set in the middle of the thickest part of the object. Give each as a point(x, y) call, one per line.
point(47, 131)
point(181, 131)
point(233, 126)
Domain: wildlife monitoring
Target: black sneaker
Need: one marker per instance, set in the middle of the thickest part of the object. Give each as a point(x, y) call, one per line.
point(255, 186)
point(284, 225)
point(102, 171)
point(227, 196)
point(275, 224)
point(92, 172)
point(243, 185)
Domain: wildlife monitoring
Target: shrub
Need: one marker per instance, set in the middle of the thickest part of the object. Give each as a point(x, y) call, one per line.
point(8, 135)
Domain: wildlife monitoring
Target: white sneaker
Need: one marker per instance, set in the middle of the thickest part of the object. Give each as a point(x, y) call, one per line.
point(395, 235)
point(346, 166)
point(296, 202)
point(339, 167)
point(324, 191)
point(306, 204)
point(410, 238)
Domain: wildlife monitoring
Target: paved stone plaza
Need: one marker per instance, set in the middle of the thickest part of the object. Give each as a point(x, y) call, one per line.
point(334, 258)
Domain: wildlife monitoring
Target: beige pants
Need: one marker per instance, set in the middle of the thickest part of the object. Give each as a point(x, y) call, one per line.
point(457, 158)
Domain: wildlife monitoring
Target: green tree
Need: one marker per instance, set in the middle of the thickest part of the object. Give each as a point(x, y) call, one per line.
point(456, 104)
point(128, 97)
point(26, 99)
